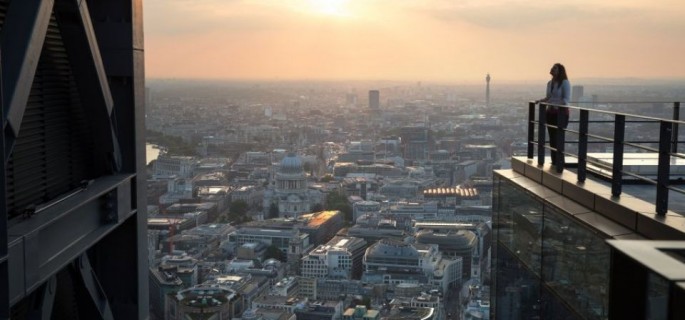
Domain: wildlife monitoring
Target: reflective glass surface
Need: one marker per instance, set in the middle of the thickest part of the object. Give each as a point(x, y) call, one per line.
point(519, 223)
point(576, 264)
point(518, 289)
point(554, 308)
point(657, 297)
point(548, 265)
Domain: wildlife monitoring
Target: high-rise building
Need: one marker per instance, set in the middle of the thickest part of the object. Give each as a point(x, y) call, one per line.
point(572, 246)
point(374, 100)
point(351, 99)
point(73, 238)
point(417, 142)
point(487, 90)
point(576, 94)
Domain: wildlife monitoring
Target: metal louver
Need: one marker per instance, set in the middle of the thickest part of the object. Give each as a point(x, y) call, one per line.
point(50, 156)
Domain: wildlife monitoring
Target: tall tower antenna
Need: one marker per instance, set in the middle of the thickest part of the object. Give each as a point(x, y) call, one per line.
point(487, 90)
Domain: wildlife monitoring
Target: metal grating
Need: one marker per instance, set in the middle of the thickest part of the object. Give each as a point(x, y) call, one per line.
point(51, 155)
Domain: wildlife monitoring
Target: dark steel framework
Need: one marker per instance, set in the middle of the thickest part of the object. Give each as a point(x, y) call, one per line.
point(636, 266)
point(72, 219)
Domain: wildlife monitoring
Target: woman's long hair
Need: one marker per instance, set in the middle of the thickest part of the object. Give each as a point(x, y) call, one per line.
point(561, 75)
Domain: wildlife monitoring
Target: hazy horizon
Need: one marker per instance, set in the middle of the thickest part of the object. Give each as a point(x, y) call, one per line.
point(412, 40)
point(481, 82)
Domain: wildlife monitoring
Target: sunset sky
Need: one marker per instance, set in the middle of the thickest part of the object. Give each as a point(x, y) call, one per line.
point(417, 40)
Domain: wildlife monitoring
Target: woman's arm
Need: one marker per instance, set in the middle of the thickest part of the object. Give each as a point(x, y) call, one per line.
point(566, 91)
point(548, 93)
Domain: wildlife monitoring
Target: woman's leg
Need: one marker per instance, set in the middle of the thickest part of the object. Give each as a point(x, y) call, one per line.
point(562, 123)
point(551, 119)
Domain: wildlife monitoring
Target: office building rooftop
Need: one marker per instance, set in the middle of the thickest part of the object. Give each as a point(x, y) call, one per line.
point(569, 231)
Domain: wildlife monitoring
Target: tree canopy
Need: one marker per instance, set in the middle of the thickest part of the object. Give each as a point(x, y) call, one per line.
point(317, 207)
point(327, 178)
point(338, 201)
point(237, 211)
point(174, 145)
point(273, 211)
point(272, 252)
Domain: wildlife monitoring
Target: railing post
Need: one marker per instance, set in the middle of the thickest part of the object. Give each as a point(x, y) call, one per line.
point(531, 129)
point(674, 134)
point(541, 134)
point(562, 121)
point(582, 144)
point(617, 167)
point(663, 171)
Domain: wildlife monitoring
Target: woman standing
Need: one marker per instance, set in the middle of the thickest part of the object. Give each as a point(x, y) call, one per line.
point(558, 94)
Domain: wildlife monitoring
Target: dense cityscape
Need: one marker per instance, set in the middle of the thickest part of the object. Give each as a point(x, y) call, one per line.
point(335, 200)
point(342, 160)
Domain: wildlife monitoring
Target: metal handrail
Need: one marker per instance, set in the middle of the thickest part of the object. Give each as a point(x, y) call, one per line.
point(676, 104)
point(620, 102)
point(667, 145)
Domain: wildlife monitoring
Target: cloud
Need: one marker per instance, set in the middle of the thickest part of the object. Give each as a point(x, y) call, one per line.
point(412, 38)
point(515, 16)
point(187, 17)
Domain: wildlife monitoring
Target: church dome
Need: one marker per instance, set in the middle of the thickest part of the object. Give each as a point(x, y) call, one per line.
point(291, 164)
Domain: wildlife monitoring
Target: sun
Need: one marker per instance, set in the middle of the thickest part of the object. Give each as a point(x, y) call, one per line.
point(329, 7)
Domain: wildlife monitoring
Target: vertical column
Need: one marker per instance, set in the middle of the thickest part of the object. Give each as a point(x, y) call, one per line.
point(531, 129)
point(4, 270)
point(541, 134)
point(118, 27)
point(676, 296)
point(617, 167)
point(582, 144)
point(626, 279)
point(674, 137)
point(562, 121)
point(664, 168)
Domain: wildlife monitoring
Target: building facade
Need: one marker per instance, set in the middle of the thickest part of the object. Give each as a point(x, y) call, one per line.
point(374, 100)
point(73, 212)
point(365, 207)
point(393, 262)
point(278, 238)
point(417, 142)
point(163, 281)
point(167, 166)
point(340, 258)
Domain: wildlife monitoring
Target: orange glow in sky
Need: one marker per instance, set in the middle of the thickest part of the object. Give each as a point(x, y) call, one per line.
point(429, 40)
point(329, 7)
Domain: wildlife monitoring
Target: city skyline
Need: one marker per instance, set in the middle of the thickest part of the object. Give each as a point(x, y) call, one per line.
point(411, 40)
